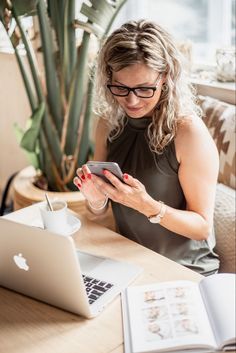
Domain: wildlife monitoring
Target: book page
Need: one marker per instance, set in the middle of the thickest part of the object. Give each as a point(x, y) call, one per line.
point(169, 314)
point(218, 292)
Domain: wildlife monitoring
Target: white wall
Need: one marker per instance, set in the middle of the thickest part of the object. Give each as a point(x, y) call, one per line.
point(14, 107)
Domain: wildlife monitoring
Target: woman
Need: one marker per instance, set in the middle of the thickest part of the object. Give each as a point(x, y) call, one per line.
point(151, 127)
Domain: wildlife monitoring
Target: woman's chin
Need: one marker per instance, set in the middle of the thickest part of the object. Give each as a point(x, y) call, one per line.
point(138, 113)
point(134, 114)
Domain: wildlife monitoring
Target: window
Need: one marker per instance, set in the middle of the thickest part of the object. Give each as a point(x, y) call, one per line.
point(208, 24)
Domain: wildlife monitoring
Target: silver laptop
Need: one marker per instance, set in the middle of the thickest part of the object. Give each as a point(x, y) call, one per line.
point(48, 267)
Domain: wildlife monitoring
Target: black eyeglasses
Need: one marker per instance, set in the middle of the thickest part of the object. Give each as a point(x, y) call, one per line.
point(141, 92)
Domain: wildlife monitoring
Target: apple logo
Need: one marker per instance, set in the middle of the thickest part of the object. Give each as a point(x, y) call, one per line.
point(20, 262)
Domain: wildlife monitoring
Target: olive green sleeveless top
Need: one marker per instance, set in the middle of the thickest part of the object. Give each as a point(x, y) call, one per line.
point(159, 174)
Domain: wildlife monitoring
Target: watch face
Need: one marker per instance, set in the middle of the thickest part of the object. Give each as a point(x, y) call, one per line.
point(154, 219)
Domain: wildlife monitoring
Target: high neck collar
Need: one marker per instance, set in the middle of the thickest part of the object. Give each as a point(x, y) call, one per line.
point(139, 123)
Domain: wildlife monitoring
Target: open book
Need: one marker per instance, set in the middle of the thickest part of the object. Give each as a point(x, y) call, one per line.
point(181, 315)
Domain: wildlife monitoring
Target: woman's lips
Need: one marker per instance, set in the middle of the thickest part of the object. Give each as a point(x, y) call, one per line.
point(132, 109)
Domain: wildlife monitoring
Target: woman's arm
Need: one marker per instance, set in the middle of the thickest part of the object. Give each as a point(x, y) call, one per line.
point(198, 171)
point(96, 199)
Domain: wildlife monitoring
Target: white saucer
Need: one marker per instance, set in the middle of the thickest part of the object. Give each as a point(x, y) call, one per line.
point(74, 224)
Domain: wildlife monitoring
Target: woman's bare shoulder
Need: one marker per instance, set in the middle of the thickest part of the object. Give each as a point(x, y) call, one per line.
point(190, 125)
point(191, 133)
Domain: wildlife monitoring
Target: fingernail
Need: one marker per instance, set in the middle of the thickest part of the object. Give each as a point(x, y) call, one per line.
point(83, 177)
point(90, 176)
point(104, 171)
point(77, 183)
point(126, 176)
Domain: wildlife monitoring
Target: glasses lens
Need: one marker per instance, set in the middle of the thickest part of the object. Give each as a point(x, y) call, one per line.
point(144, 92)
point(119, 90)
point(122, 91)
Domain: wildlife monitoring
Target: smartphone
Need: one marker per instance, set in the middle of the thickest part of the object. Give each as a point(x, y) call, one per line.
point(97, 168)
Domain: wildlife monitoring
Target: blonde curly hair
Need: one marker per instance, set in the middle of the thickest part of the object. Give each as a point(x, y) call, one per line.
point(145, 42)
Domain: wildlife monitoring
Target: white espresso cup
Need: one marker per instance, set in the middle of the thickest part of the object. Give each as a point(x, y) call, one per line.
point(57, 220)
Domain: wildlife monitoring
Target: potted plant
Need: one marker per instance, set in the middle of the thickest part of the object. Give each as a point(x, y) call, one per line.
point(57, 134)
point(60, 96)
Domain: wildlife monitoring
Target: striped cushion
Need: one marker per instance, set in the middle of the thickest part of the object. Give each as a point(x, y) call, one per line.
point(219, 117)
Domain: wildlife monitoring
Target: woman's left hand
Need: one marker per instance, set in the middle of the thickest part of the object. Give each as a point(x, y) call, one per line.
point(130, 193)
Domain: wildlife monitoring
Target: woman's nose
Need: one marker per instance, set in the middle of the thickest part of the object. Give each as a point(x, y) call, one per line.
point(132, 98)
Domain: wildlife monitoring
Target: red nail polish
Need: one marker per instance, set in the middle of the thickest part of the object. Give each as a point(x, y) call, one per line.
point(126, 176)
point(104, 171)
point(78, 184)
point(90, 176)
point(83, 177)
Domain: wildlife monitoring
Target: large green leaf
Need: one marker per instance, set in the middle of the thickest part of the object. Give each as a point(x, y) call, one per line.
point(89, 28)
point(30, 137)
point(31, 156)
point(2, 8)
point(24, 7)
point(100, 15)
point(52, 81)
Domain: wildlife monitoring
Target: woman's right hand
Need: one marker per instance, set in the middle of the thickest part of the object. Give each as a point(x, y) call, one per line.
point(84, 183)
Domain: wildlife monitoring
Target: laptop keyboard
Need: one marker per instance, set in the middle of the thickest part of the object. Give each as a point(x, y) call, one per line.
point(95, 288)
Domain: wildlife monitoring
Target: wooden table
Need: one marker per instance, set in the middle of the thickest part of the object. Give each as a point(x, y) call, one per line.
point(29, 326)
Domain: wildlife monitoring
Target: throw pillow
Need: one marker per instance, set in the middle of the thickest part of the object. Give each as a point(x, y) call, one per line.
point(219, 117)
